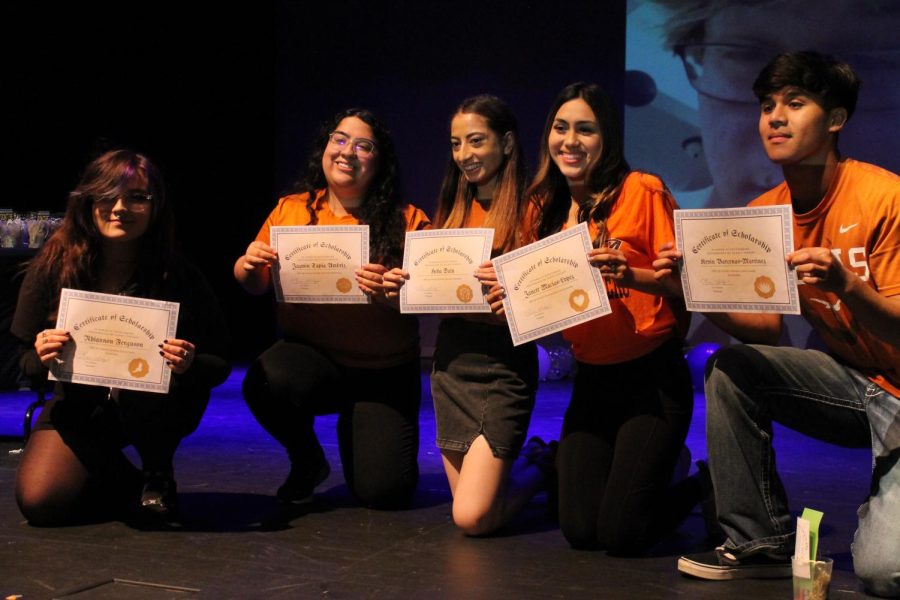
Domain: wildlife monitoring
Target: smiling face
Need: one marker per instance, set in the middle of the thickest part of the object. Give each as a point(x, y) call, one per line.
point(124, 216)
point(478, 151)
point(575, 142)
point(796, 129)
point(347, 173)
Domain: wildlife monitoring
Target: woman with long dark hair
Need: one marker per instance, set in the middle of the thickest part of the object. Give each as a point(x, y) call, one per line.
point(117, 237)
point(483, 386)
point(632, 399)
point(361, 360)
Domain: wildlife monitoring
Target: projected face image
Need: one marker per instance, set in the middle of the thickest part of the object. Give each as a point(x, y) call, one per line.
point(736, 39)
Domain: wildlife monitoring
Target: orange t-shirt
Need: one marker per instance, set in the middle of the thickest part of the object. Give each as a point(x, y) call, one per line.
point(369, 336)
point(477, 215)
point(859, 220)
point(475, 219)
point(641, 221)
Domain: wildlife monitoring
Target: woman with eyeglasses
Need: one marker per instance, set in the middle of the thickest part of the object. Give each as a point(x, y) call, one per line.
point(117, 237)
point(631, 399)
point(360, 360)
point(483, 386)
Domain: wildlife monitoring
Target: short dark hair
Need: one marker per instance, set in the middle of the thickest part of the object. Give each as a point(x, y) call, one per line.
point(832, 80)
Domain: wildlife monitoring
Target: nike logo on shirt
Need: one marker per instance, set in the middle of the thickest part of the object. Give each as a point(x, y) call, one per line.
point(846, 228)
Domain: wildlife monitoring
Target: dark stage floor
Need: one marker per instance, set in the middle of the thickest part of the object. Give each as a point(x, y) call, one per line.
point(234, 543)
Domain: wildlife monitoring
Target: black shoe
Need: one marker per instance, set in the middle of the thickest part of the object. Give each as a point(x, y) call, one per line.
point(299, 485)
point(533, 449)
point(159, 496)
point(722, 565)
point(714, 531)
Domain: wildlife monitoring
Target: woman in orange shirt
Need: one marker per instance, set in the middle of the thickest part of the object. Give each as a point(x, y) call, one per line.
point(360, 360)
point(632, 399)
point(483, 386)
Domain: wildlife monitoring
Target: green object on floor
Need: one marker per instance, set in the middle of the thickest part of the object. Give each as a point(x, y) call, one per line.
point(815, 518)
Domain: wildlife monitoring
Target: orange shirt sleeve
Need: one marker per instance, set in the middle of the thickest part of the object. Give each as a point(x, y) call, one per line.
point(416, 219)
point(290, 210)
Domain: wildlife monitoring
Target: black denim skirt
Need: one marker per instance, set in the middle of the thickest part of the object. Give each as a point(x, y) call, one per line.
point(482, 385)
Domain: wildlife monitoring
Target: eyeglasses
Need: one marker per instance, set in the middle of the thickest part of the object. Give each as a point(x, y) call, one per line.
point(135, 201)
point(727, 72)
point(361, 146)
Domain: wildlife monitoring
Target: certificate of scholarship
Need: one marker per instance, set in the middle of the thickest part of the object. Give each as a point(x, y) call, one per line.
point(550, 285)
point(114, 340)
point(734, 259)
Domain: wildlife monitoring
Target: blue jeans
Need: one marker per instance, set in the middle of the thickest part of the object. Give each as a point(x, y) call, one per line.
point(749, 387)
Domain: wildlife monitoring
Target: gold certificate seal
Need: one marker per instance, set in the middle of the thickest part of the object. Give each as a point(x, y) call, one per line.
point(579, 300)
point(764, 286)
point(343, 285)
point(464, 293)
point(138, 368)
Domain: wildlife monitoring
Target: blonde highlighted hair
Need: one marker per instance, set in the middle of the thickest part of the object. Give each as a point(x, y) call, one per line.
point(507, 203)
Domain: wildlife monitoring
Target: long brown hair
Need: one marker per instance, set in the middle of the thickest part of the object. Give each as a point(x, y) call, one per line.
point(71, 256)
point(507, 203)
point(550, 189)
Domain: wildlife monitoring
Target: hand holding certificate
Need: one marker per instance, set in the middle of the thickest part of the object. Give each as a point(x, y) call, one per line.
point(734, 259)
point(441, 264)
point(550, 285)
point(317, 264)
point(115, 341)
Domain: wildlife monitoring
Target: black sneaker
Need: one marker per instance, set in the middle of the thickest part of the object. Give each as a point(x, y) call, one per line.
point(299, 485)
point(722, 565)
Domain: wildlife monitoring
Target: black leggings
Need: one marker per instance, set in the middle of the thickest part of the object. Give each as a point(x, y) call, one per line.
point(97, 428)
point(73, 465)
point(622, 434)
point(378, 427)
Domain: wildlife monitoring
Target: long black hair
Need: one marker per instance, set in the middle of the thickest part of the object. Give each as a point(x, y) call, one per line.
point(382, 206)
point(603, 183)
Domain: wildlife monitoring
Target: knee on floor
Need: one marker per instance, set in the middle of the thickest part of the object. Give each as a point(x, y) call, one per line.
point(474, 520)
point(581, 536)
point(880, 574)
point(384, 493)
point(41, 506)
